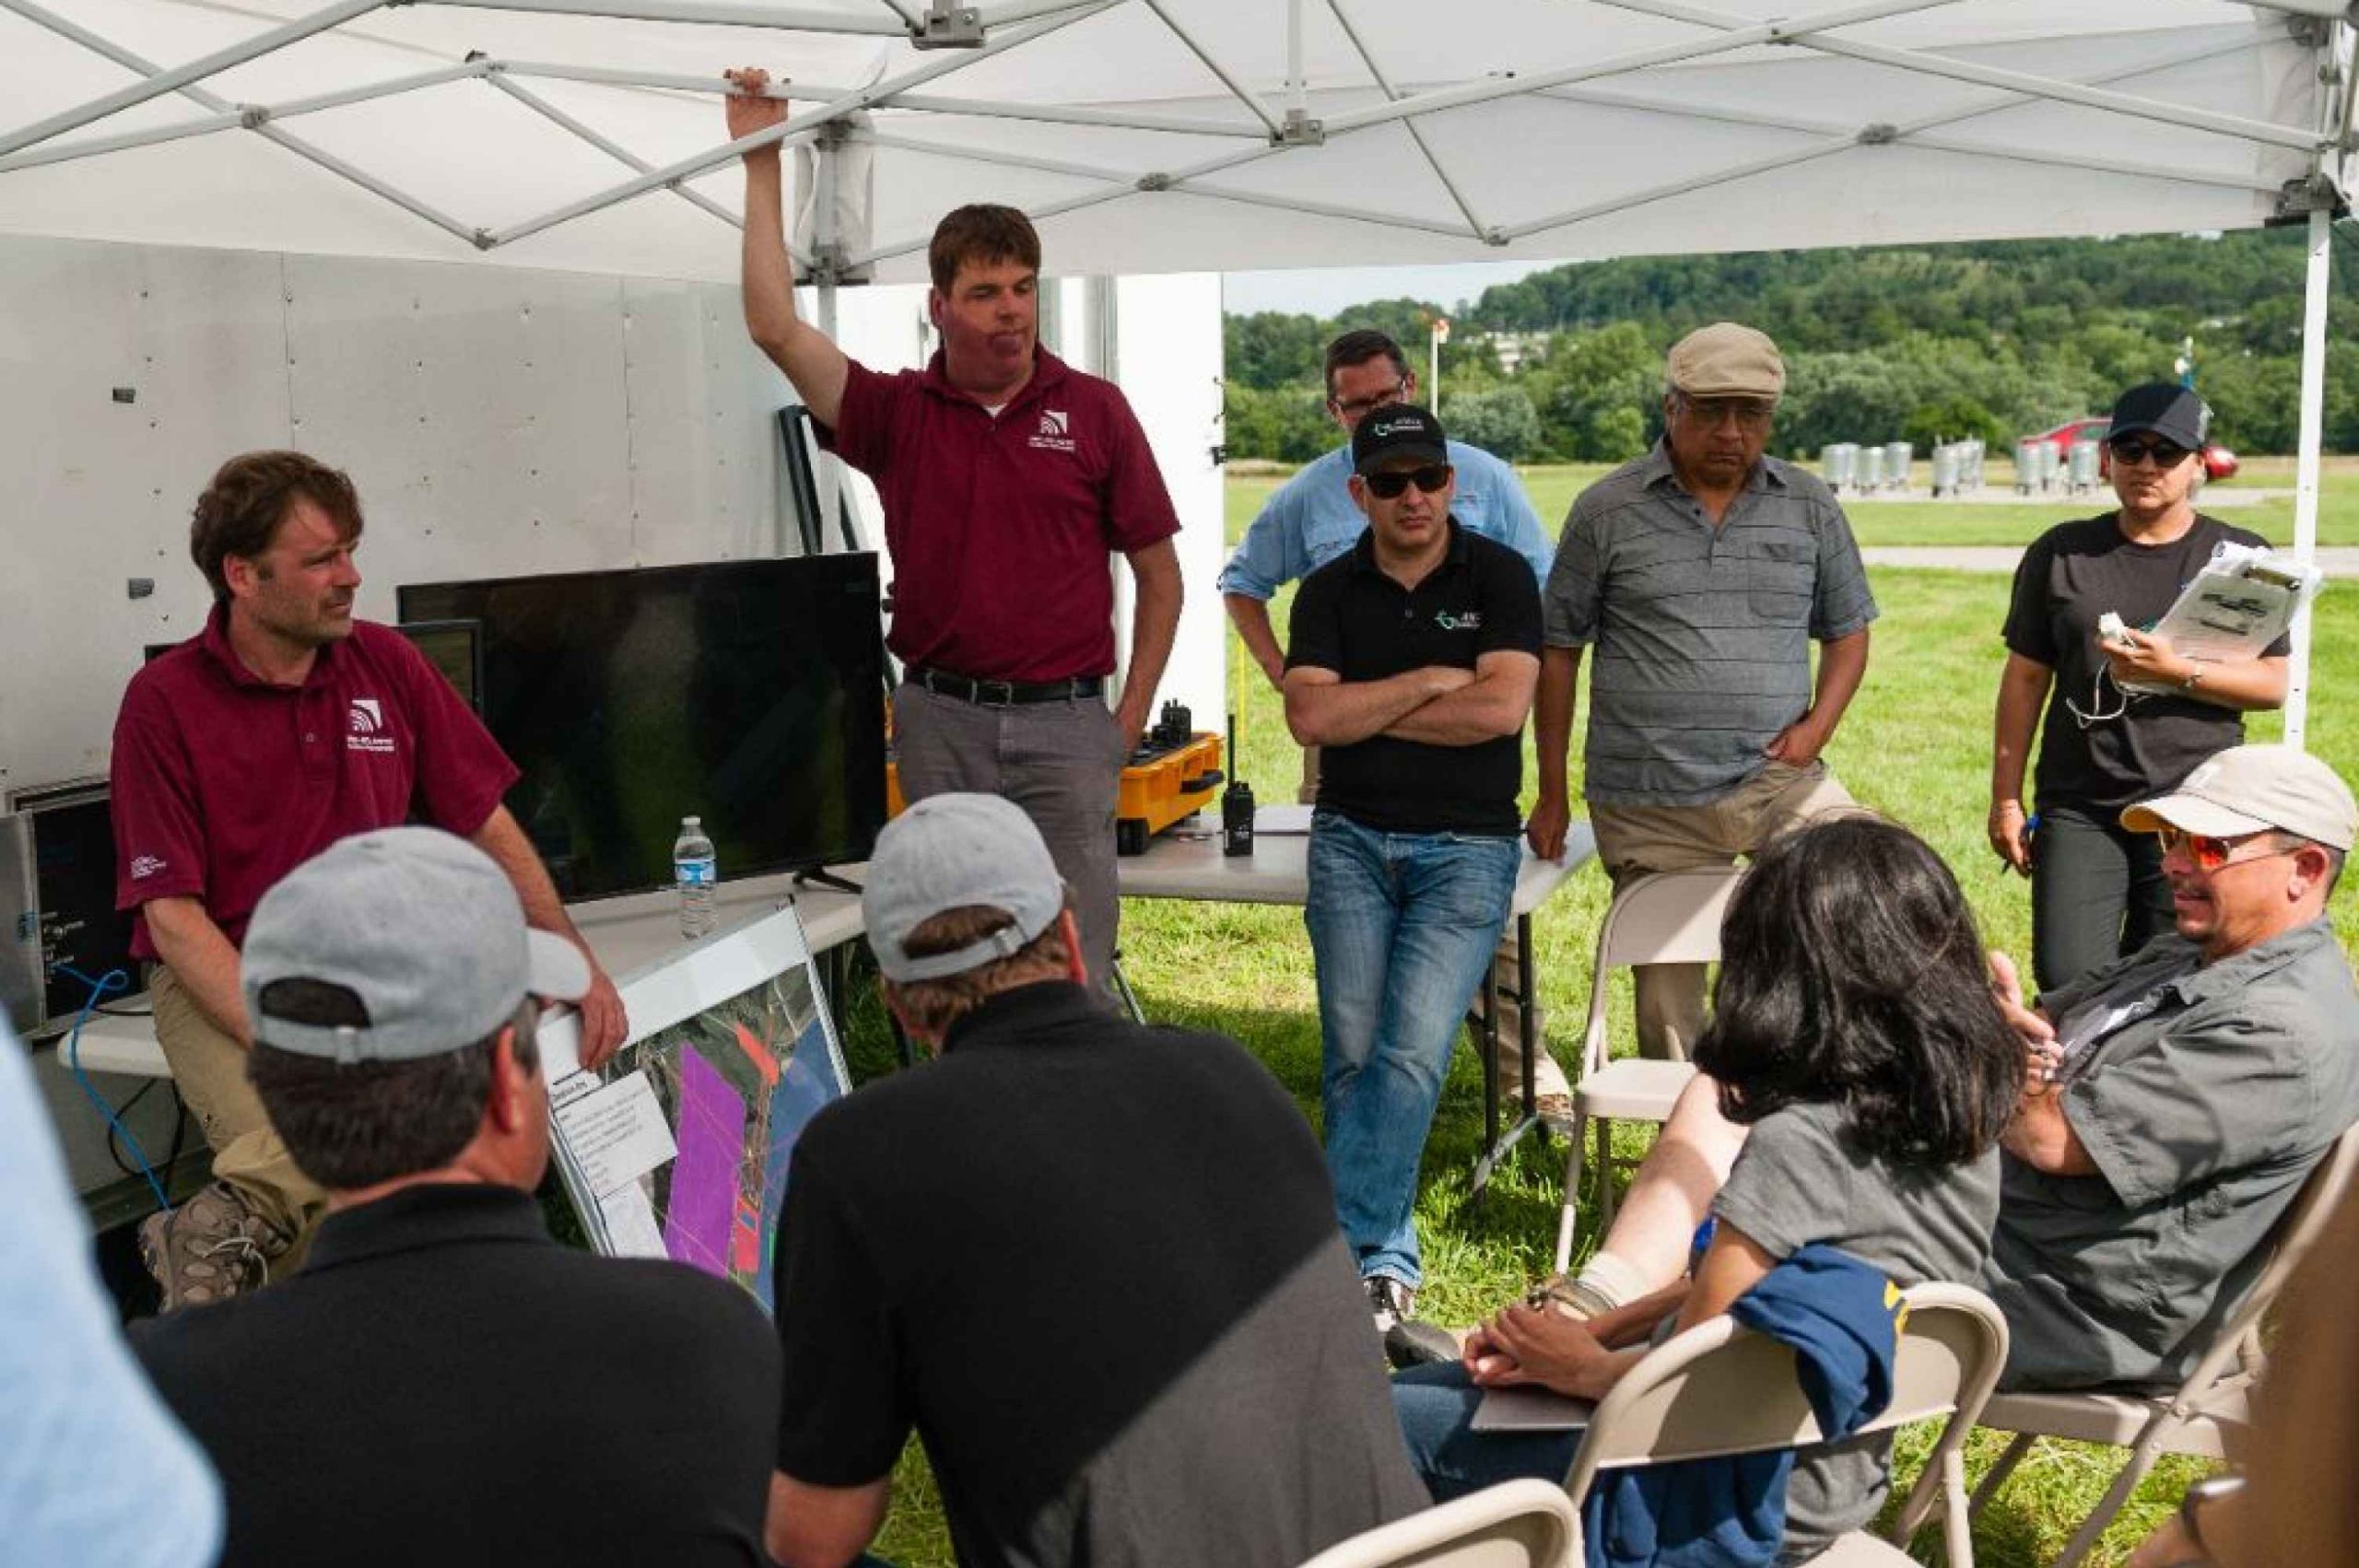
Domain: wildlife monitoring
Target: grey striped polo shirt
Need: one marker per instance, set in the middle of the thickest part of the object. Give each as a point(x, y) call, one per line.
point(1702, 635)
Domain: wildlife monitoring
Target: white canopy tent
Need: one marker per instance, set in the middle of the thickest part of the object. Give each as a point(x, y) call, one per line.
point(1152, 135)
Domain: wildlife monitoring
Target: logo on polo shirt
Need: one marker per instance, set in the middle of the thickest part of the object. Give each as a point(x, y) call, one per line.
point(1464, 621)
point(1055, 433)
point(145, 866)
point(367, 723)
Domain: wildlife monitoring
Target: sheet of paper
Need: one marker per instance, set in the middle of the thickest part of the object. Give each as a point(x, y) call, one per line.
point(631, 1229)
point(1531, 1410)
point(616, 1133)
point(1282, 820)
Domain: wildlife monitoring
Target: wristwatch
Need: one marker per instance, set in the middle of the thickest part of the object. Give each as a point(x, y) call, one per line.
point(2194, 678)
point(2210, 1490)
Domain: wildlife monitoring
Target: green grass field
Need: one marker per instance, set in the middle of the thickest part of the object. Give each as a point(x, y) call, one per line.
point(1915, 745)
point(1942, 522)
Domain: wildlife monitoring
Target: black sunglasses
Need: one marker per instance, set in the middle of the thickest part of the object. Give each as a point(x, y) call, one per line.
point(2130, 449)
point(1387, 486)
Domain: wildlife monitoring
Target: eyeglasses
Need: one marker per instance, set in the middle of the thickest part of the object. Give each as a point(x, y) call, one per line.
point(2209, 854)
point(2131, 450)
point(1431, 479)
point(1360, 407)
point(1711, 413)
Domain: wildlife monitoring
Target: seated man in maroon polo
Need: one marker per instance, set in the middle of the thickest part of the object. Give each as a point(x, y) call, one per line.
point(285, 725)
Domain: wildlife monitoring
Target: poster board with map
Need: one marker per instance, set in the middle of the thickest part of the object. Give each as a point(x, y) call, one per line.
point(679, 1146)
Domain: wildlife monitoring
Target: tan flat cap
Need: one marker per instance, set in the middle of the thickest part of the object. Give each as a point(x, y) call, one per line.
point(1726, 360)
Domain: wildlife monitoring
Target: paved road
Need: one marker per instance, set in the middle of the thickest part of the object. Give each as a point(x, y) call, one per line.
point(2336, 561)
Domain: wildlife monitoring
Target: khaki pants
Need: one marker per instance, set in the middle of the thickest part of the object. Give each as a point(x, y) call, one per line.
point(1633, 841)
point(210, 1070)
point(1507, 981)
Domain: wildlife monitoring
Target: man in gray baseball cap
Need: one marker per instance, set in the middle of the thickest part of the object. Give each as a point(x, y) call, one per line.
point(436, 1355)
point(2178, 1099)
point(1148, 1200)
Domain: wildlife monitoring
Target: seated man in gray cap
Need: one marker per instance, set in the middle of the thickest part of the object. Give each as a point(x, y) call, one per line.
point(2176, 1100)
point(1094, 1265)
point(1699, 574)
point(2179, 1097)
point(440, 1382)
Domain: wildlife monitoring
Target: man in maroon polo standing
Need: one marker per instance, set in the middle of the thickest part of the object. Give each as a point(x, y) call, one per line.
point(1007, 479)
point(284, 726)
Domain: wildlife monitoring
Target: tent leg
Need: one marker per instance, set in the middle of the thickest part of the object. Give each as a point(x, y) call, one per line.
point(2305, 472)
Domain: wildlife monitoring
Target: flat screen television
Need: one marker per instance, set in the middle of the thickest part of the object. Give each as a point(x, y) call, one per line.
point(748, 693)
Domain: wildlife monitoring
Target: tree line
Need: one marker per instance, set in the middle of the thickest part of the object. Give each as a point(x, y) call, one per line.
point(1918, 344)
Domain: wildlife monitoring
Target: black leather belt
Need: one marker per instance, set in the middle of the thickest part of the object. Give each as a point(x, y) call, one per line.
point(1006, 693)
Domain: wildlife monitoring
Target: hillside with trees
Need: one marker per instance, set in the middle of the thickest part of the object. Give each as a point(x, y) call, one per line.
point(1903, 344)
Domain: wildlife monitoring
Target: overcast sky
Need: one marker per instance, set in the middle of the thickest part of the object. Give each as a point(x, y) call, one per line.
point(1329, 291)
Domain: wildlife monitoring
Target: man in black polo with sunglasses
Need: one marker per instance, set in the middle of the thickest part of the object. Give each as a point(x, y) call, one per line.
point(1411, 659)
point(2178, 1099)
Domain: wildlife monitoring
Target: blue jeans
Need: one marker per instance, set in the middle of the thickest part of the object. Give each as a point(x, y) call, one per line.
point(1436, 1405)
point(1402, 928)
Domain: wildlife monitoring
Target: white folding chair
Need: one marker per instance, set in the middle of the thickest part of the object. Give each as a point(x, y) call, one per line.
point(1519, 1524)
point(1668, 917)
point(2210, 1412)
point(1719, 1390)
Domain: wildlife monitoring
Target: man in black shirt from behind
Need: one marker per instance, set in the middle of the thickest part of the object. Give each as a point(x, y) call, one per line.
point(1411, 662)
point(1093, 1266)
point(440, 1381)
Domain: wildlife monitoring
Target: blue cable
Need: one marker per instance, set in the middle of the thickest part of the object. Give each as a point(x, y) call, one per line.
point(105, 986)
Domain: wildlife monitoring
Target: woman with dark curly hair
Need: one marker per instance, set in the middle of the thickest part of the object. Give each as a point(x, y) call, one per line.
point(1853, 1085)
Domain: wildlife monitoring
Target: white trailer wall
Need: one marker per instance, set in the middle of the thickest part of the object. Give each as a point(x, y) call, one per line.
point(497, 421)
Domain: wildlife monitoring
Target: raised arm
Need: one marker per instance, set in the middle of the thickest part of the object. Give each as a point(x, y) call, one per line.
point(1494, 704)
point(1324, 710)
point(814, 365)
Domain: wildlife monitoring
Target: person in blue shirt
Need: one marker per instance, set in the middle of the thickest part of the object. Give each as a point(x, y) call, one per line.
point(1311, 519)
point(93, 1469)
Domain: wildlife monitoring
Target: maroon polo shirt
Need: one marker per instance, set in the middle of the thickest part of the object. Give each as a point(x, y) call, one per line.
point(225, 782)
point(999, 526)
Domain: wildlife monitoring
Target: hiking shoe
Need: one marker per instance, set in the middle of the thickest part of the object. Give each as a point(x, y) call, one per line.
point(1556, 1110)
point(208, 1249)
point(1415, 1343)
point(1391, 1301)
point(1568, 1296)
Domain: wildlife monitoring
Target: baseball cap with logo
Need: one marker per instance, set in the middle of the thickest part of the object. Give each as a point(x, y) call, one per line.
point(1397, 430)
point(2169, 410)
point(1726, 359)
point(425, 932)
point(2251, 789)
point(958, 851)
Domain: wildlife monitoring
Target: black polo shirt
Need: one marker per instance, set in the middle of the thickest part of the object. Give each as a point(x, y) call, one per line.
point(1351, 618)
point(441, 1383)
point(1096, 1266)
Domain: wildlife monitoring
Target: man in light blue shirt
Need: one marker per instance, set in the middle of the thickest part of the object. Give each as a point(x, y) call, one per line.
point(93, 1470)
point(1312, 519)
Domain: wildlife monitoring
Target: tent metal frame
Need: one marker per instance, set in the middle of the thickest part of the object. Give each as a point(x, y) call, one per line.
point(964, 34)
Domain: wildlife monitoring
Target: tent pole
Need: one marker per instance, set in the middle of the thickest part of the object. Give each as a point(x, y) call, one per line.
point(2305, 472)
point(180, 76)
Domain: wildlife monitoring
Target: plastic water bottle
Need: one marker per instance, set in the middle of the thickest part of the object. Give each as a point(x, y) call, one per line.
point(694, 871)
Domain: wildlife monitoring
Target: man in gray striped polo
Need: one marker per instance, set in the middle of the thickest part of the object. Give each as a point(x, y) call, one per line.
point(1701, 572)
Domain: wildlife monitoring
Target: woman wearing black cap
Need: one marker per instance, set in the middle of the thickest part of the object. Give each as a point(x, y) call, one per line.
point(2097, 889)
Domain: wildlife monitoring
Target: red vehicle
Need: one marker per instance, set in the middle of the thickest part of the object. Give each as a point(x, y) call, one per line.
point(2219, 462)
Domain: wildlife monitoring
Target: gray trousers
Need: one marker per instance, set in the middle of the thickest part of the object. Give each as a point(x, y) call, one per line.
point(1062, 761)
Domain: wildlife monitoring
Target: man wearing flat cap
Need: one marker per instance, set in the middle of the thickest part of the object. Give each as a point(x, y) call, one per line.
point(1700, 573)
point(1092, 1265)
point(2178, 1098)
point(440, 1382)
